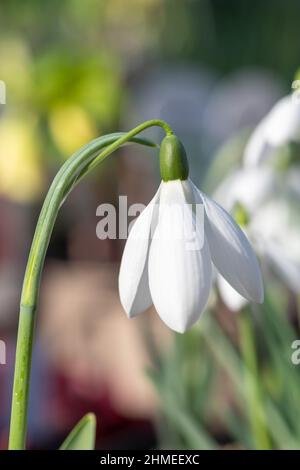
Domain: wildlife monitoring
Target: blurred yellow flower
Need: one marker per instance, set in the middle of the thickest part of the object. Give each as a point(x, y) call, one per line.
point(70, 127)
point(21, 176)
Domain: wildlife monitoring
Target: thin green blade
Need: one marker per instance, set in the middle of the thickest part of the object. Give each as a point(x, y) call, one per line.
point(82, 436)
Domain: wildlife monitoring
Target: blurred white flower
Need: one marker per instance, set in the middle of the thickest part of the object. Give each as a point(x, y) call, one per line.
point(250, 187)
point(279, 127)
point(162, 270)
point(268, 211)
point(276, 229)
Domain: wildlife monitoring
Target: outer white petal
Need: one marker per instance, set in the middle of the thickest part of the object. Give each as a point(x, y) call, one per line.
point(231, 251)
point(133, 277)
point(230, 296)
point(283, 122)
point(179, 276)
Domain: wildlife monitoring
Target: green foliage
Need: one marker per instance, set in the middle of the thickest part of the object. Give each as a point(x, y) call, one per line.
point(82, 436)
point(249, 387)
point(183, 380)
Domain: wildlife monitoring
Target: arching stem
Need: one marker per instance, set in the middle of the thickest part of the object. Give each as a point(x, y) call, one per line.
point(74, 169)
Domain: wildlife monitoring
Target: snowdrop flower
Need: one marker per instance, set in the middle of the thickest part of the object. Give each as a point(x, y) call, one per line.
point(279, 127)
point(161, 268)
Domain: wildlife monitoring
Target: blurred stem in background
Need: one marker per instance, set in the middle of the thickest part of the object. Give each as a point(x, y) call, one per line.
point(252, 387)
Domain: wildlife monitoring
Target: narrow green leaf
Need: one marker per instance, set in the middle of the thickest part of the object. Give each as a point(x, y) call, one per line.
point(82, 436)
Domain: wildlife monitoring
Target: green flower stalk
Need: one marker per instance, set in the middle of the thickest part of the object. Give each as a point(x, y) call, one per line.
point(74, 169)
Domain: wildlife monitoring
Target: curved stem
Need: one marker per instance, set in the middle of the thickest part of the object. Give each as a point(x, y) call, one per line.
point(74, 169)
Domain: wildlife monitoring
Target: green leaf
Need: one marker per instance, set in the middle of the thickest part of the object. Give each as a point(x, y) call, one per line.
point(82, 436)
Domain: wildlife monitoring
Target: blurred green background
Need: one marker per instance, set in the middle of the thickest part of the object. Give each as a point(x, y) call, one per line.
point(75, 70)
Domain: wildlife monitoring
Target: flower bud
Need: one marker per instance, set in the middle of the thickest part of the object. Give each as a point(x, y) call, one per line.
point(173, 160)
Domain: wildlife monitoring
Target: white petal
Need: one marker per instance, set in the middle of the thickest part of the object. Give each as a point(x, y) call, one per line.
point(230, 296)
point(283, 122)
point(179, 275)
point(133, 277)
point(231, 251)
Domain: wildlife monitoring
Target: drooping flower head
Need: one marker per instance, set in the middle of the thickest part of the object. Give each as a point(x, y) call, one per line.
point(174, 243)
